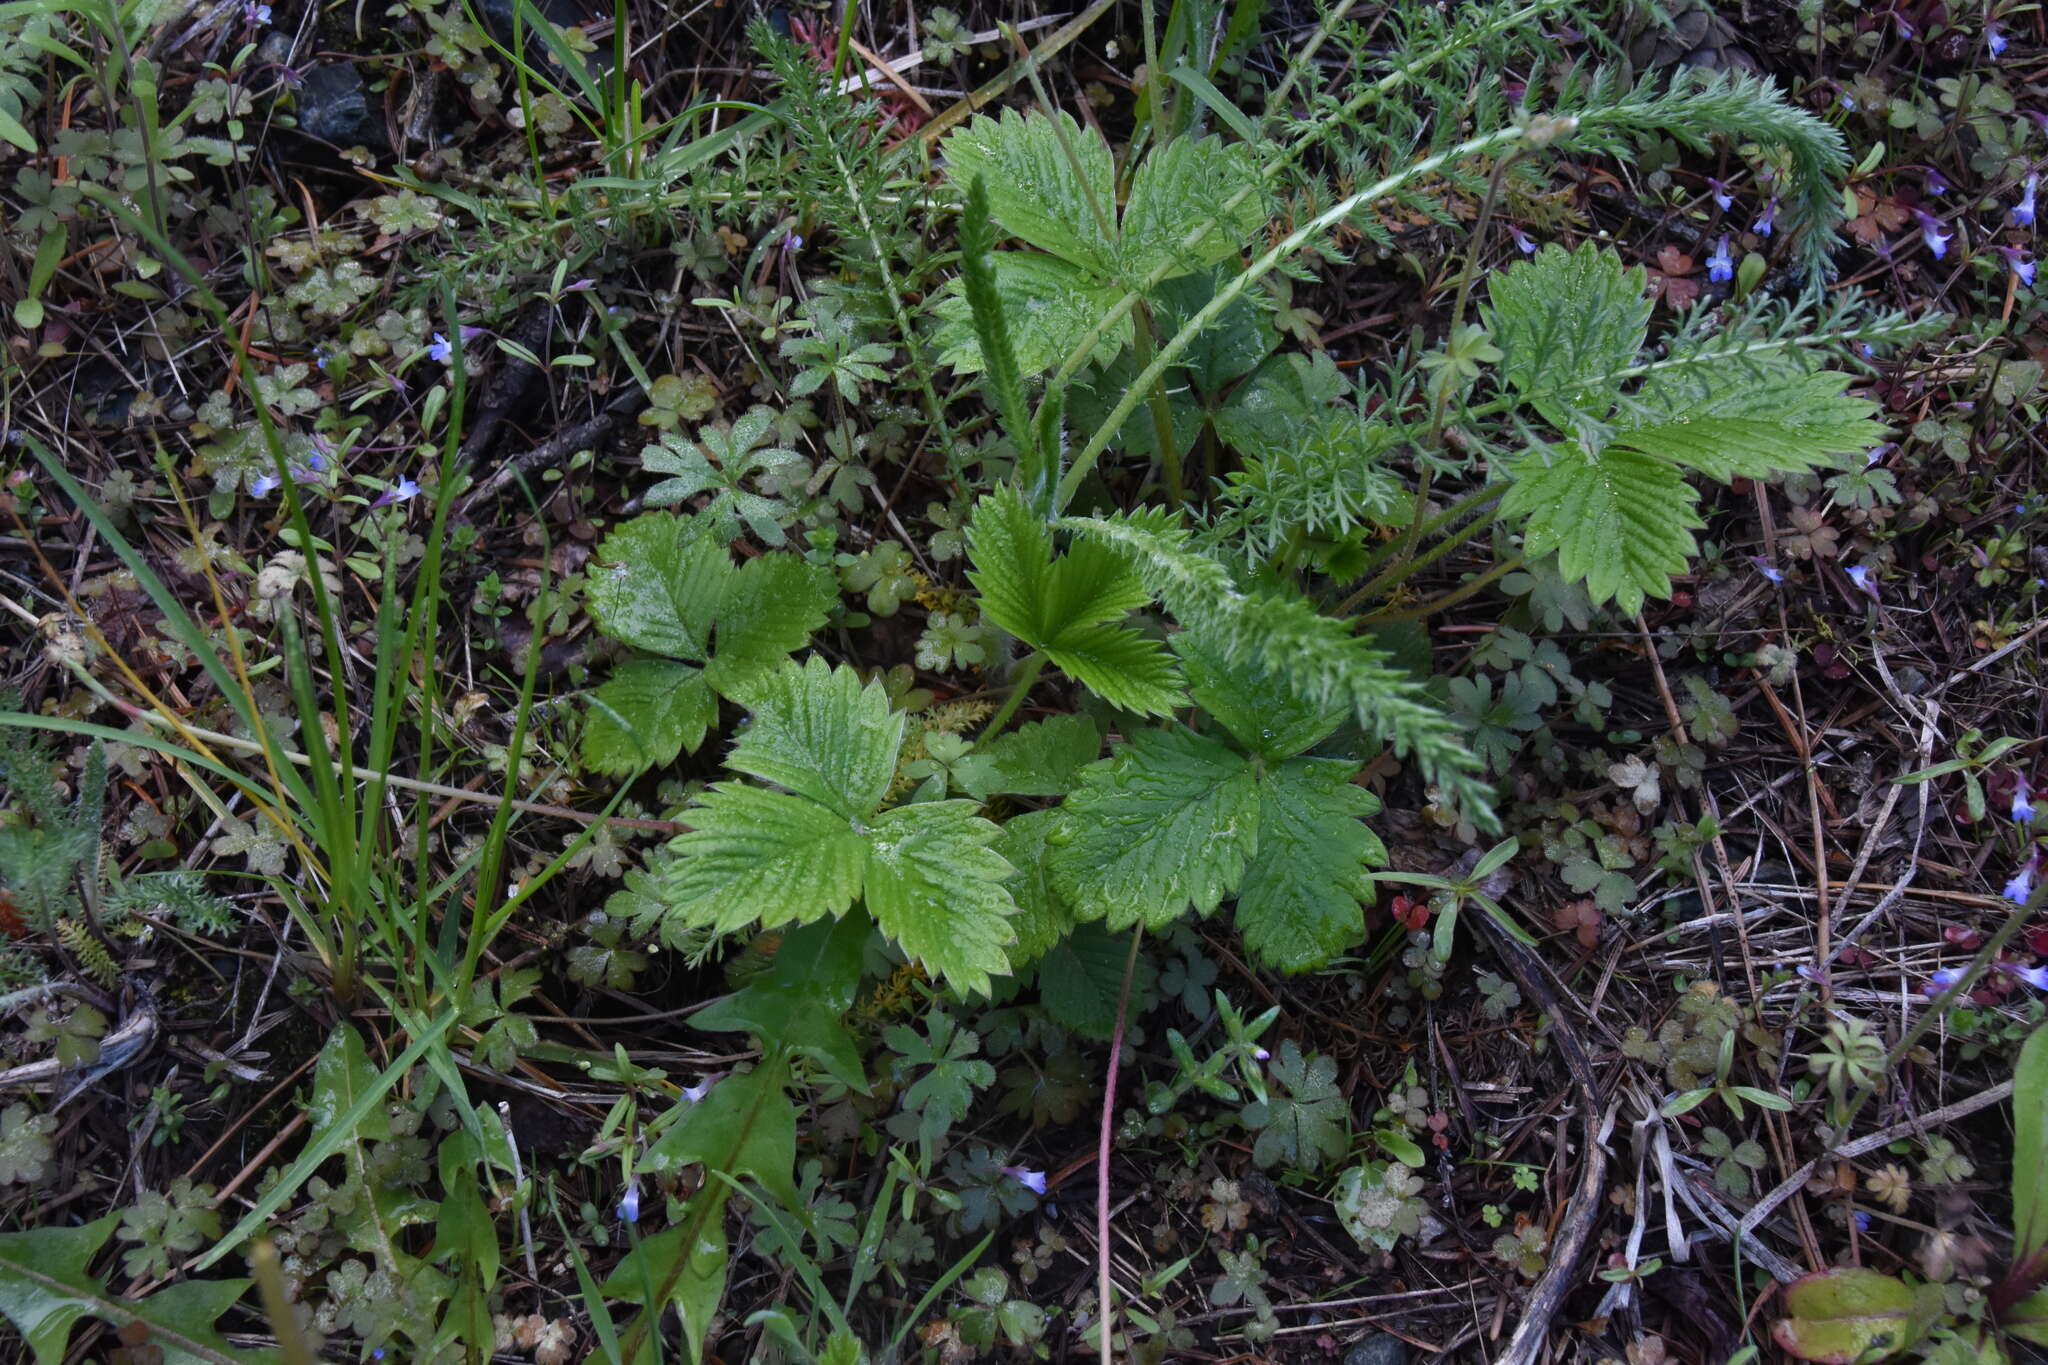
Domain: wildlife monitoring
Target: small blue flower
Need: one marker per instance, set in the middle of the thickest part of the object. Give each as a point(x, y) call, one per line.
point(1522, 241)
point(2022, 802)
point(794, 241)
point(1260, 1054)
point(1994, 41)
point(1722, 199)
point(1905, 29)
point(2037, 977)
point(2022, 884)
point(1862, 1221)
point(1033, 1181)
point(1932, 234)
point(1763, 566)
point(1941, 981)
point(1859, 574)
point(405, 490)
point(1935, 182)
point(2023, 212)
point(256, 14)
point(1866, 350)
point(1848, 101)
point(629, 1203)
point(2022, 262)
point(443, 349)
point(1767, 221)
point(1720, 265)
point(695, 1093)
point(264, 485)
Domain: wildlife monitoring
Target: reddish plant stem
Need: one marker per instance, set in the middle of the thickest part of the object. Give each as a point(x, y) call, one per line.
point(1116, 1049)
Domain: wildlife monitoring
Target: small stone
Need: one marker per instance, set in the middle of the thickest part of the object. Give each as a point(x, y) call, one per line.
point(1378, 1349)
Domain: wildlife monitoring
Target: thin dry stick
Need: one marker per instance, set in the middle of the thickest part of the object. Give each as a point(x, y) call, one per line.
point(1116, 1047)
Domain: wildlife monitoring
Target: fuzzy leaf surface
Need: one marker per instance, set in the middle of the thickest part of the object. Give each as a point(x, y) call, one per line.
point(1168, 821)
point(1034, 189)
point(1188, 181)
point(1300, 905)
point(1756, 423)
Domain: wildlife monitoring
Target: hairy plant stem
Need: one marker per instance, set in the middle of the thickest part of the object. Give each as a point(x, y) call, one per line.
point(1397, 574)
point(1146, 341)
point(1116, 1047)
point(1020, 686)
point(1449, 599)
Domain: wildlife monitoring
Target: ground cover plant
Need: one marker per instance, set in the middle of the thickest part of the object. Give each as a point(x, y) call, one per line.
point(1220, 681)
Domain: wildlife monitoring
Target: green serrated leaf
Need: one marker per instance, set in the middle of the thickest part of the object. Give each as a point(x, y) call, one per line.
point(759, 855)
point(1043, 758)
point(936, 887)
point(1036, 190)
point(646, 713)
point(1068, 607)
point(1168, 821)
point(1049, 306)
point(1303, 1121)
point(1188, 181)
point(1042, 918)
point(656, 583)
point(1756, 422)
point(1081, 978)
point(1301, 902)
point(1259, 710)
point(1622, 521)
point(822, 733)
point(771, 607)
point(1569, 324)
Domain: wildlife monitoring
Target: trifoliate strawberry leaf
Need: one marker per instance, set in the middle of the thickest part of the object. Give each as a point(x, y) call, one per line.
point(771, 607)
point(1068, 608)
point(756, 855)
point(1622, 521)
point(645, 714)
point(1299, 906)
point(822, 733)
point(936, 887)
point(1168, 821)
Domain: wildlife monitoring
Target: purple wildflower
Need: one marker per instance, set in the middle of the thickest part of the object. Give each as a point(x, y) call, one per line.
point(578, 286)
point(256, 14)
point(695, 1093)
point(1763, 566)
point(1848, 101)
point(1862, 1221)
point(1905, 29)
point(1935, 182)
point(1722, 199)
point(1033, 1181)
point(1522, 240)
point(2022, 802)
point(405, 490)
point(264, 485)
point(2022, 884)
point(1720, 265)
point(2022, 262)
point(1260, 1054)
point(443, 349)
point(2037, 977)
point(1994, 41)
point(629, 1203)
point(1932, 234)
point(1859, 574)
point(1868, 351)
point(1767, 221)
point(1941, 981)
point(794, 241)
point(2023, 212)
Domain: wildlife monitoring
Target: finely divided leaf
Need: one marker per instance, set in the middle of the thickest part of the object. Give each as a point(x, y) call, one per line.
point(1568, 324)
point(936, 887)
point(1170, 820)
point(1033, 188)
point(821, 733)
point(1622, 521)
point(644, 714)
point(1300, 906)
point(760, 855)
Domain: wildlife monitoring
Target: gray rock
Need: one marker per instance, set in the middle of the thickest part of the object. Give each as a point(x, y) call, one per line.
point(1378, 1349)
point(334, 106)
